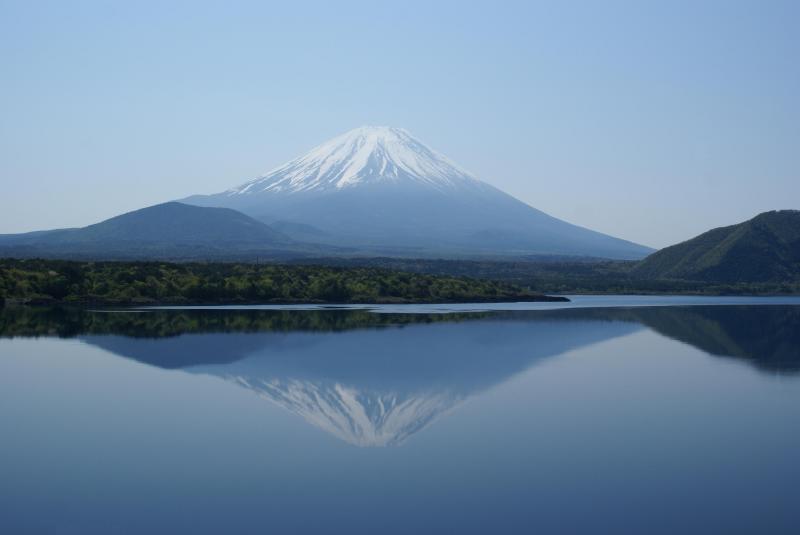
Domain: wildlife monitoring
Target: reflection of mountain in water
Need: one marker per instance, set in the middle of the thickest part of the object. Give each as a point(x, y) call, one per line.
point(376, 379)
point(767, 337)
point(769, 340)
point(360, 417)
point(377, 387)
point(372, 386)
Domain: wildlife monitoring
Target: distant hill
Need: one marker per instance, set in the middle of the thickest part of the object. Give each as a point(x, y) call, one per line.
point(169, 230)
point(763, 249)
point(176, 222)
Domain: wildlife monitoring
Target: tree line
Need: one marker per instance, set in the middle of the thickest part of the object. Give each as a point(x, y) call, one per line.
point(44, 281)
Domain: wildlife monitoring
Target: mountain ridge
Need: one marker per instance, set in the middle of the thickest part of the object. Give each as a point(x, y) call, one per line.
point(165, 230)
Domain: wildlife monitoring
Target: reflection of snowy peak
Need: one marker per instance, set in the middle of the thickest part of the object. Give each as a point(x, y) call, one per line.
point(361, 418)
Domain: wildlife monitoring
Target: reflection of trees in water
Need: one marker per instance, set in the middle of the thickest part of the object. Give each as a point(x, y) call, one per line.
point(71, 322)
point(766, 336)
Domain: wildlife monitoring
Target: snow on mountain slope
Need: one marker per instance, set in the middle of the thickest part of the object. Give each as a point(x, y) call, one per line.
point(365, 155)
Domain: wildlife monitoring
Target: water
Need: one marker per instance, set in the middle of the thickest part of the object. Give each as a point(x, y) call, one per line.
point(606, 415)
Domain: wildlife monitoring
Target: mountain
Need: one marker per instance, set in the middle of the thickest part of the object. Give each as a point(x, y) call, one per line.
point(382, 190)
point(763, 249)
point(172, 230)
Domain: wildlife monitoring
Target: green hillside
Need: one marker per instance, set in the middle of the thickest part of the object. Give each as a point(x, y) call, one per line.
point(763, 249)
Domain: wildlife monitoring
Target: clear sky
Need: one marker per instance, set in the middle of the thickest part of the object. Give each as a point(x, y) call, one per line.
point(651, 121)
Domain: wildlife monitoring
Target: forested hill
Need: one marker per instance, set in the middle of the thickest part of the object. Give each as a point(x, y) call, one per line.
point(763, 249)
point(125, 283)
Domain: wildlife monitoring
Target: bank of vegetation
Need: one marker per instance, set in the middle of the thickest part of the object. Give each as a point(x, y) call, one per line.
point(37, 281)
point(559, 275)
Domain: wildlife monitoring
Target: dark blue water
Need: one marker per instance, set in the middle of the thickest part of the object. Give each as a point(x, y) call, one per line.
point(672, 419)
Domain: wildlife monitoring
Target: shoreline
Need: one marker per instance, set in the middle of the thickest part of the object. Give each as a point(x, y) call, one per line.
point(190, 303)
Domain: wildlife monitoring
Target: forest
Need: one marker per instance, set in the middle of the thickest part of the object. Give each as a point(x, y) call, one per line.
point(36, 281)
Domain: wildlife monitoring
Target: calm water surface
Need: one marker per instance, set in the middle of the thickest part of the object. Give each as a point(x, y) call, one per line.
point(608, 415)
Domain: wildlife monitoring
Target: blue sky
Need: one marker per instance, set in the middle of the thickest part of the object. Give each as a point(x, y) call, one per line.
point(651, 121)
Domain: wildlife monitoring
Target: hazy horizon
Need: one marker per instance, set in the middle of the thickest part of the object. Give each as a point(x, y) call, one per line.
point(651, 123)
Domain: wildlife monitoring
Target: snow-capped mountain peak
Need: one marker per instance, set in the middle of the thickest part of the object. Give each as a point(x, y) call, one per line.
point(379, 189)
point(365, 155)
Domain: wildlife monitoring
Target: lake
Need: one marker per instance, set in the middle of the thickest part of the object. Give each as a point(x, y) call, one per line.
point(603, 415)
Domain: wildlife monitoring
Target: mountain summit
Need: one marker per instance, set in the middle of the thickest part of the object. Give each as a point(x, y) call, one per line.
point(366, 155)
point(382, 191)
